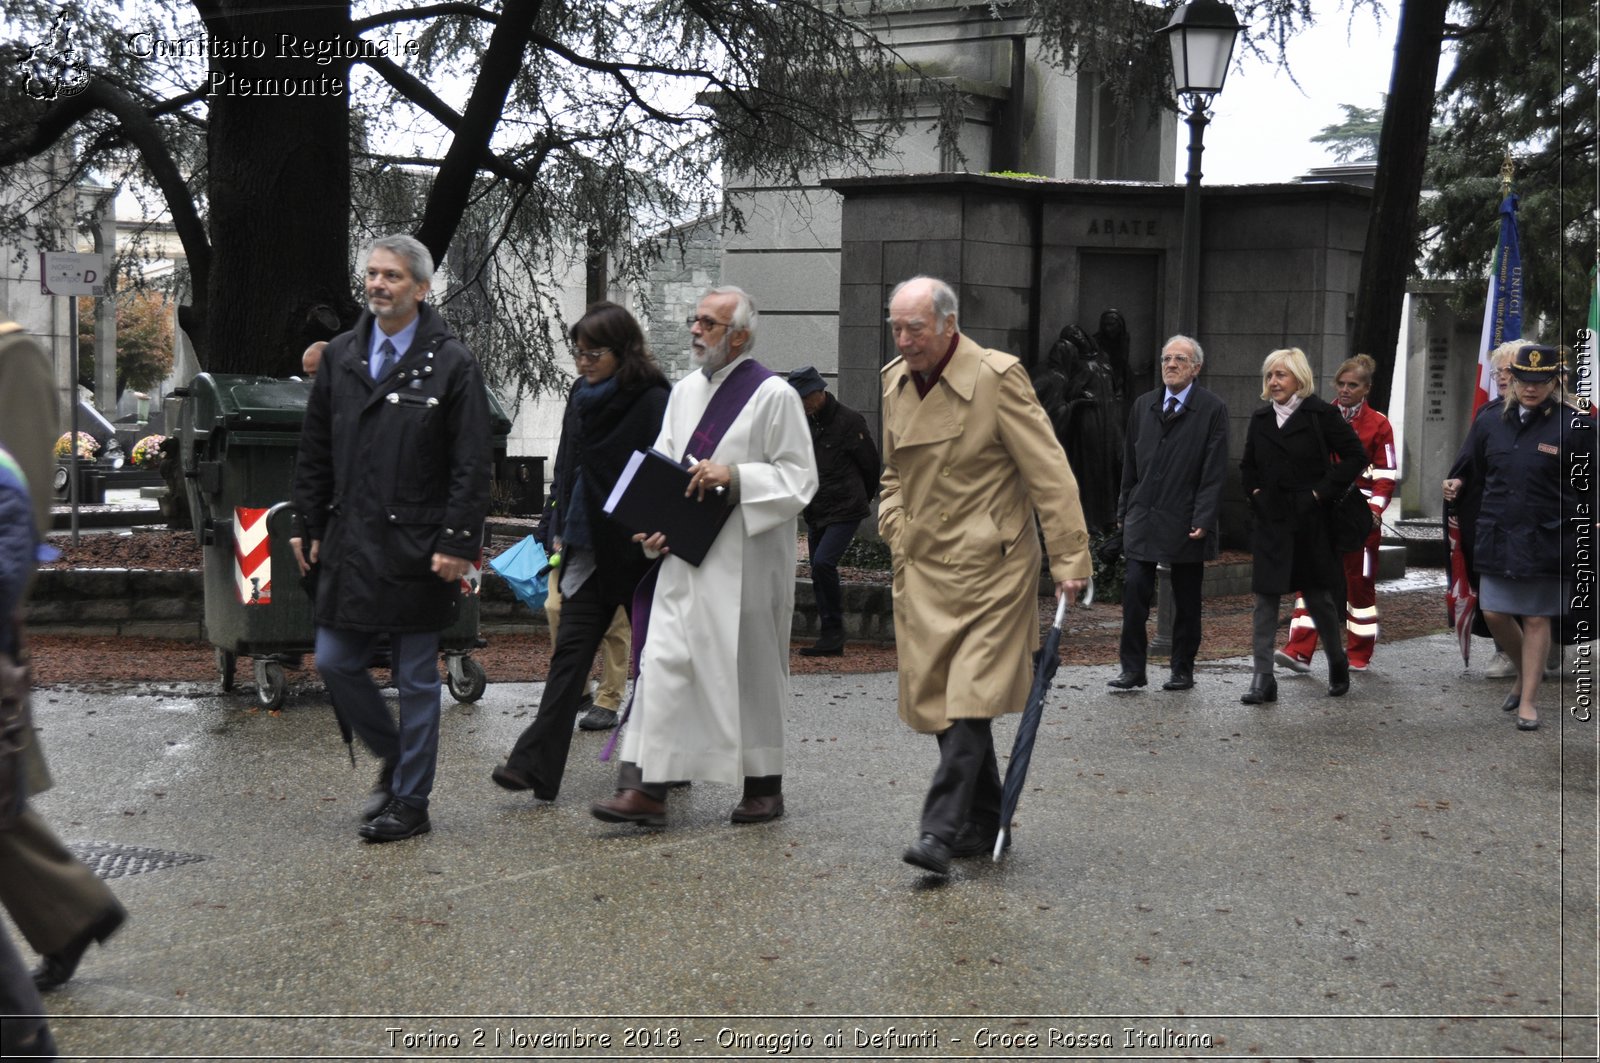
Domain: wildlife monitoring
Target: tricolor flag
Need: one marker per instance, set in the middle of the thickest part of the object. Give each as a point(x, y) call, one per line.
point(1502, 312)
point(1502, 320)
point(1583, 373)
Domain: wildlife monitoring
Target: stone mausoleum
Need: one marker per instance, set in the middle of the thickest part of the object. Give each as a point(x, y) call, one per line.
point(1279, 268)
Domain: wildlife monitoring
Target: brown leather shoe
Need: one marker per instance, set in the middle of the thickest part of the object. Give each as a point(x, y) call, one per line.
point(631, 806)
point(758, 809)
point(508, 778)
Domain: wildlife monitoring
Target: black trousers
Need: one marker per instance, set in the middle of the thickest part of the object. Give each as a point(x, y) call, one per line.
point(541, 750)
point(1138, 590)
point(966, 785)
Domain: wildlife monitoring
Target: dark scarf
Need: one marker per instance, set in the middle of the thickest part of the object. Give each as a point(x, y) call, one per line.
point(575, 531)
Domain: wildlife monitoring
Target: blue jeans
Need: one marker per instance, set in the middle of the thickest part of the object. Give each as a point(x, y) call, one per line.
point(412, 745)
point(827, 544)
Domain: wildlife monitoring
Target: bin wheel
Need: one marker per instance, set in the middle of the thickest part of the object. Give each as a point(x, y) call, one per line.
point(467, 686)
point(226, 660)
point(272, 683)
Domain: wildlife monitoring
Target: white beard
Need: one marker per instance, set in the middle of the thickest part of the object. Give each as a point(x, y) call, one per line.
point(708, 359)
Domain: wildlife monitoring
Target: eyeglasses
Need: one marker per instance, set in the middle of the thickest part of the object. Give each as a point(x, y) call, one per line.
point(1175, 359)
point(593, 355)
point(706, 323)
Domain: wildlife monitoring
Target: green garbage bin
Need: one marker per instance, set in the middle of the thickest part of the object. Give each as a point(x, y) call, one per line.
point(238, 438)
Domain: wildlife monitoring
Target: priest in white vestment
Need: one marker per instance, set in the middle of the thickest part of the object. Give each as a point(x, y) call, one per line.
point(714, 672)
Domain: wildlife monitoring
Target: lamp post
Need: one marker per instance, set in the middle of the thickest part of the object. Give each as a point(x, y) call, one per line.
point(1202, 35)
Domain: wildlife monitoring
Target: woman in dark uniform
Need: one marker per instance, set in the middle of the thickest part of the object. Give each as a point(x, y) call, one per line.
point(1532, 464)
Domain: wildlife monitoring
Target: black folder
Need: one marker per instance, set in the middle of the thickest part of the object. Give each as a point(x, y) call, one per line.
point(649, 497)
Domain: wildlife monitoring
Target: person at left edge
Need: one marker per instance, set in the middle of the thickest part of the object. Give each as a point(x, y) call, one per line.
point(713, 681)
point(23, 1029)
point(847, 467)
point(392, 487)
point(58, 905)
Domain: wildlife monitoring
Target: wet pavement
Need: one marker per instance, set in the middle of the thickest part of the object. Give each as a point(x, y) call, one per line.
point(1399, 872)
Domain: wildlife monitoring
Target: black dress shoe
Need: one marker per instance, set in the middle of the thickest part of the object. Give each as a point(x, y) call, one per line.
point(829, 644)
point(56, 968)
point(597, 719)
point(1263, 688)
point(1338, 679)
point(1127, 681)
point(1525, 724)
point(1513, 700)
point(930, 854)
point(398, 820)
point(758, 809)
point(1179, 681)
point(378, 797)
point(973, 840)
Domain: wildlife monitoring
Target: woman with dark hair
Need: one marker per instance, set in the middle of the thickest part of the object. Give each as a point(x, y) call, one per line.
point(614, 410)
point(1299, 459)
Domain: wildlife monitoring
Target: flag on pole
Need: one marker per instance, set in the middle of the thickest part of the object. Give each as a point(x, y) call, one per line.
point(1502, 311)
point(1583, 373)
point(1502, 320)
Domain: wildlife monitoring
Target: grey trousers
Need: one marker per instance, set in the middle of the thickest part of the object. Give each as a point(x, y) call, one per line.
point(1325, 613)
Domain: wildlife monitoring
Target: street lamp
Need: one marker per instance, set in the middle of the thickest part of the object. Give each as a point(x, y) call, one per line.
point(1202, 34)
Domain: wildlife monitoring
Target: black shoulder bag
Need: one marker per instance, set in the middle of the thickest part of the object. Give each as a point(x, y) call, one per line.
point(1352, 518)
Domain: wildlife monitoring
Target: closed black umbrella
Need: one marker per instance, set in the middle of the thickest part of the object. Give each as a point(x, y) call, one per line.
point(1048, 660)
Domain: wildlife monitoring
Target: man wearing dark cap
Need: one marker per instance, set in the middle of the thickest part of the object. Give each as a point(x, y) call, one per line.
point(847, 462)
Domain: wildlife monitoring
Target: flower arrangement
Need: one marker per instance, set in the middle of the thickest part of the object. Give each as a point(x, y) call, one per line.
point(87, 447)
point(147, 452)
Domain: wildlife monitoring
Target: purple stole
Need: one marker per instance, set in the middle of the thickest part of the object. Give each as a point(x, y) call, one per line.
point(724, 408)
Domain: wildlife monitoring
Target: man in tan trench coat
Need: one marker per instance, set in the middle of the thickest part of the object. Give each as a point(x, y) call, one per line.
point(968, 458)
point(57, 902)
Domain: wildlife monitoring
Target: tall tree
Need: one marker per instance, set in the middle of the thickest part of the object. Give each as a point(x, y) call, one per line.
point(144, 339)
point(1356, 138)
point(1523, 85)
point(278, 135)
point(1390, 255)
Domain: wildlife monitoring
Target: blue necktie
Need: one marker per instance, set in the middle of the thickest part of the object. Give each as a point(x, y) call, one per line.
point(387, 357)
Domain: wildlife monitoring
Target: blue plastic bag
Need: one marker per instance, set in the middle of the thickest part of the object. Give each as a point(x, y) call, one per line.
point(526, 568)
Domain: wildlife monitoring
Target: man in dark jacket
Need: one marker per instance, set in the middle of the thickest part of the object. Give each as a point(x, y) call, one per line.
point(392, 487)
point(847, 462)
point(1175, 461)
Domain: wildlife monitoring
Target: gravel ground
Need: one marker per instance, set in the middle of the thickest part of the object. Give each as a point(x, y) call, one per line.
point(514, 656)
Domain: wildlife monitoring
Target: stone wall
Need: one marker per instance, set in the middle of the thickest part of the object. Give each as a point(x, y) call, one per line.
point(1279, 267)
point(691, 262)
